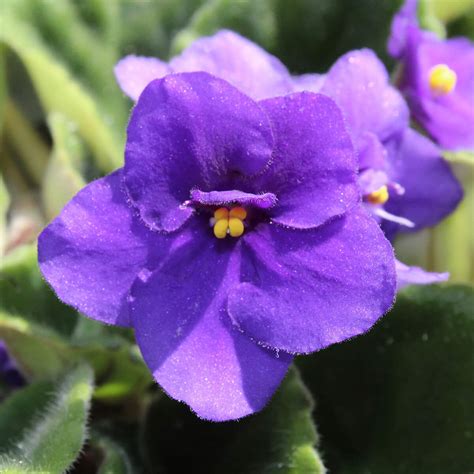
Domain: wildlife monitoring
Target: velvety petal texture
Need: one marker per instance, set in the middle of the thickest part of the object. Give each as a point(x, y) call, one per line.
point(226, 55)
point(186, 336)
point(359, 84)
point(431, 191)
point(190, 131)
point(302, 291)
point(313, 170)
point(237, 60)
point(91, 253)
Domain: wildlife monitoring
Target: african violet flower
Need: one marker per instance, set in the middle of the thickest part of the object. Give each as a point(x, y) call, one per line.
point(437, 79)
point(403, 177)
point(232, 238)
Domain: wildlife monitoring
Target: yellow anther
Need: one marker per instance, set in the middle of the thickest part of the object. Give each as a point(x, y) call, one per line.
point(220, 228)
point(236, 227)
point(239, 212)
point(380, 196)
point(442, 79)
point(221, 213)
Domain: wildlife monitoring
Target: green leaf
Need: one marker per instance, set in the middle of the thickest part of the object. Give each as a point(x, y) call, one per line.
point(42, 353)
point(280, 439)
point(399, 399)
point(21, 284)
point(307, 35)
point(39, 352)
point(450, 245)
point(54, 440)
point(4, 205)
point(62, 179)
point(447, 11)
point(253, 19)
point(20, 410)
point(115, 458)
point(59, 91)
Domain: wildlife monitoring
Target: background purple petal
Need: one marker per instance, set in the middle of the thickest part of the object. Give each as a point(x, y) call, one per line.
point(91, 253)
point(134, 73)
point(189, 131)
point(416, 276)
point(431, 190)
point(359, 84)
point(188, 340)
point(406, 17)
point(313, 172)
point(237, 60)
point(308, 82)
point(304, 290)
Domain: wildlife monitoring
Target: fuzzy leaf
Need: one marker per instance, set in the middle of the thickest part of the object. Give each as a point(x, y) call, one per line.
point(54, 440)
point(19, 411)
point(399, 399)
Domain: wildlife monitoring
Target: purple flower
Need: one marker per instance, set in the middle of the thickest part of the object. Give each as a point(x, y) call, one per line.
point(437, 79)
point(232, 238)
point(9, 373)
point(403, 177)
point(226, 54)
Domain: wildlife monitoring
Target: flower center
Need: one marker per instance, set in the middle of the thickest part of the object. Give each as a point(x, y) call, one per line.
point(230, 222)
point(380, 196)
point(442, 79)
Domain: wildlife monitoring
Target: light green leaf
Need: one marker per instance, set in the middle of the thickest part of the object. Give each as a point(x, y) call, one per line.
point(448, 10)
point(54, 440)
point(255, 19)
point(20, 410)
point(4, 205)
point(21, 284)
point(280, 439)
point(398, 400)
point(62, 179)
point(448, 247)
point(39, 352)
point(59, 91)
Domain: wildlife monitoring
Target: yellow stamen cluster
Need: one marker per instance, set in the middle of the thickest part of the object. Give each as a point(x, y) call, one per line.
point(442, 79)
point(380, 196)
point(229, 222)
